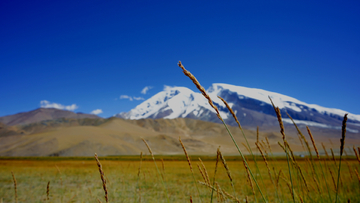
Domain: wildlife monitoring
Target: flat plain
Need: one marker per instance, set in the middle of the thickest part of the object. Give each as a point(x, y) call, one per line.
point(78, 180)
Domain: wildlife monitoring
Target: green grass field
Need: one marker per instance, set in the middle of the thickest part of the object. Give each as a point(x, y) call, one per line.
point(79, 181)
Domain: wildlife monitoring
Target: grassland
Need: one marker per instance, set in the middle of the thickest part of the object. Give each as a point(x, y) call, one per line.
point(79, 181)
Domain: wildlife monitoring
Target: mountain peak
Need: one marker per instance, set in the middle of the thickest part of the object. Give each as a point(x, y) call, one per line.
point(252, 106)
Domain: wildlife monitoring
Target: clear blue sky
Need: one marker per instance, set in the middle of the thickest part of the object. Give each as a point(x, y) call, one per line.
point(89, 53)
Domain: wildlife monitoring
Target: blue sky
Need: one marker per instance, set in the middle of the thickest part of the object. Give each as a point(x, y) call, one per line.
point(83, 56)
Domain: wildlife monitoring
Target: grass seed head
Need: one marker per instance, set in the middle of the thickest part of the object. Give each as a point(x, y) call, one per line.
point(231, 111)
point(150, 151)
point(205, 171)
point(226, 166)
point(15, 187)
point(102, 177)
point(202, 90)
point(343, 130)
point(48, 191)
point(313, 142)
point(278, 115)
point(186, 154)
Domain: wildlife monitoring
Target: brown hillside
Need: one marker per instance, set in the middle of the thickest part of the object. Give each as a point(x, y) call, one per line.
point(116, 136)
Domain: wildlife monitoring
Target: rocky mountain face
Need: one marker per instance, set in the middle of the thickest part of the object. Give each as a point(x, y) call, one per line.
point(252, 107)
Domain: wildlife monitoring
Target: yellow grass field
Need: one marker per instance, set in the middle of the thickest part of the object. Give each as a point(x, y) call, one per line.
point(79, 181)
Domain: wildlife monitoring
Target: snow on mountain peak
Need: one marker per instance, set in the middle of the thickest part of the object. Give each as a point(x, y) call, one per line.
point(172, 102)
point(181, 102)
point(280, 100)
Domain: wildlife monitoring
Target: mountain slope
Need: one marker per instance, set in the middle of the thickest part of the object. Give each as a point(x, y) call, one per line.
point(116, 136)
point(42, 114)
point(123, 137)
point(251, 106)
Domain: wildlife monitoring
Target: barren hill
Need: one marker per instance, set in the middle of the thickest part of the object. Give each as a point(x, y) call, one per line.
point(42, 114)
point(115, 136)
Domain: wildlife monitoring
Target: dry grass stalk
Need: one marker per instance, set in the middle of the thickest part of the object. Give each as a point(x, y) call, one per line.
point(333, 157)
point(48, 191)
point(201, 88)
point(202, 174)
point(190, 165)
point(317, 184)
point(231, 111)
point(138, 178)
point(71, 199)
point(249, 178)
point(226, 166)
point(216, 166)
point(342, 145)
point(326, 153)
point(313, 142)
point(288, 184)
point(150, 151)
point(278, 115)
point(268, 144)
point(301, 141)
point(294, 162)
point(15, 187)
point(263, 145)
point(298, 166)
point(278, 177)
point(291, 151)
point(247, 148)
point(219, 199)
point(187, 156)
point(266, 163)
point(343, 134)
point(283, 147)
point(102, 177)
point(356, 154)
point(357, 174)
point(282, 129)
point(139, 170)
point(350, 170)
point(205, 171)
point(301, 135)
point(333, 179)
point(216, 190)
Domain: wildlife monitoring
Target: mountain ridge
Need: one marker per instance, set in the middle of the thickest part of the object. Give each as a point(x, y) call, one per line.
point(41, 114)
point(252, 107)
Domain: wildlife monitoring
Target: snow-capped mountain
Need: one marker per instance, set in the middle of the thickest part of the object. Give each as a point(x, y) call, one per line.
point(172, 102)
point(251, 106)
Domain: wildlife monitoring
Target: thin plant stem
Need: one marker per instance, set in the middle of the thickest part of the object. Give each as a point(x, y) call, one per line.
point(162, 180)
point(252, 175)
point(342, 142)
